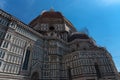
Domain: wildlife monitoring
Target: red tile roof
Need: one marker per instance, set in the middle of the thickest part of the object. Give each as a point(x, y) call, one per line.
point(51, 14)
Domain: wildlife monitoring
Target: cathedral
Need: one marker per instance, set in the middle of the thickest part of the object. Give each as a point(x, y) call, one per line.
point(50, 48)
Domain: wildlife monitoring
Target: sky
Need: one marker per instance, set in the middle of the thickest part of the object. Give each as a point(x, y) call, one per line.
point(100, 17)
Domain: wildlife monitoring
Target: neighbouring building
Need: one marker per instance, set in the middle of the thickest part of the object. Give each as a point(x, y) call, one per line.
point(50, 48)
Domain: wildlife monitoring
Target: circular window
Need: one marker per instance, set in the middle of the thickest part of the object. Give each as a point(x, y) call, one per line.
point(51, 28)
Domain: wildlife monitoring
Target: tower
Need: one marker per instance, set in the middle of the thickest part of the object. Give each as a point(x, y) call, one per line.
point(56, 30)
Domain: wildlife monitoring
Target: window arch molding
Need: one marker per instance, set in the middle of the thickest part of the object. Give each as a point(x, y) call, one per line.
point(26, 58)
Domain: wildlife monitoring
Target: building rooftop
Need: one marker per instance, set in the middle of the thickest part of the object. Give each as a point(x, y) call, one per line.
point(51, 14)
point(77, 35)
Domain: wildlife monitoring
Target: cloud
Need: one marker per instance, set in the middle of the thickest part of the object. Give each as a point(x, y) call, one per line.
point(110, 2)
point(2, 4)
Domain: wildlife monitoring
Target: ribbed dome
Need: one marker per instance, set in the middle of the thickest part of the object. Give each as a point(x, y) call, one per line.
point(77, 35)
point(51, 14)
point(51, 17)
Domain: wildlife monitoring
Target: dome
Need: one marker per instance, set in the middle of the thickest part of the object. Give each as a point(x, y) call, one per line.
point(46, 14)
point(77, 35)
point(51, 17)
point(51, 14)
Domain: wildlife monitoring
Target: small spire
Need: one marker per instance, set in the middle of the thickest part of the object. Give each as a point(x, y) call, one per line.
point(51, 9)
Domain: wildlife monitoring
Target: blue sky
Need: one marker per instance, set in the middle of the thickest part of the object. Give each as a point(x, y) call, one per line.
point(101, 17)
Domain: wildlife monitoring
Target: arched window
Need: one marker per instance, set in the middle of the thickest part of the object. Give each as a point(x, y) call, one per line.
point(69, 73)
point(97, 70)
point(26, 60)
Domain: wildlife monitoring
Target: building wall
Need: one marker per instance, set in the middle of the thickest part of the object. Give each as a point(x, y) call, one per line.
point(89, 63)
point(15, 40)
